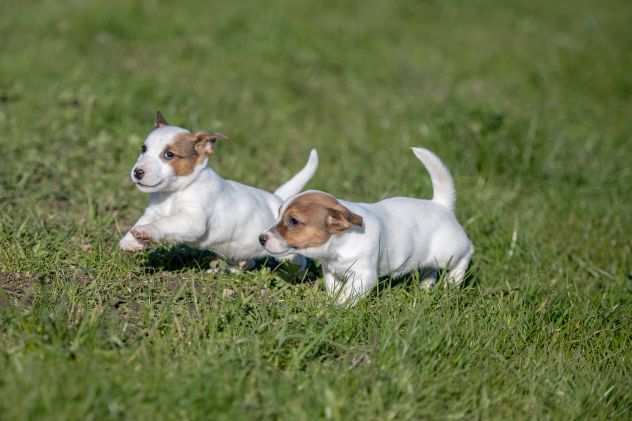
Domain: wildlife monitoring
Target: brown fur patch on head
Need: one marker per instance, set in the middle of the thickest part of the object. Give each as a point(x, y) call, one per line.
point(187, 150)
point(312, 218)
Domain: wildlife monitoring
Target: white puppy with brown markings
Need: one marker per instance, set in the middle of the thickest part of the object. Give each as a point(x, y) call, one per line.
point(356, 243)
point(190, 203)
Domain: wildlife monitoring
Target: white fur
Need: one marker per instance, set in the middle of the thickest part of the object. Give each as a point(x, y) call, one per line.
point(398, 235)
point(203, 209)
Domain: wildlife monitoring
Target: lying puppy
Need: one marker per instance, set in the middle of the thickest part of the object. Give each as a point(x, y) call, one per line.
point(191, 204)
point(357, 243)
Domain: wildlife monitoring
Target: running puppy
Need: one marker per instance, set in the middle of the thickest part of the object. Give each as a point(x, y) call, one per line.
point(356, 243)
point(191, 204)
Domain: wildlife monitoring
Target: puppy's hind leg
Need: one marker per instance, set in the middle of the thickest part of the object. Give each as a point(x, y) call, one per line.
point(456, 275)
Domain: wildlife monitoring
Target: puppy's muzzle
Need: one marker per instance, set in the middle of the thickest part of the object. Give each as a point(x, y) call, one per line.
point(263, 238)
point(139, 173)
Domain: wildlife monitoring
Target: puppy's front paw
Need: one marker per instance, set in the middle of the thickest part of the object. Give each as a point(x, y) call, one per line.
point(130, 244)
point(145, 234)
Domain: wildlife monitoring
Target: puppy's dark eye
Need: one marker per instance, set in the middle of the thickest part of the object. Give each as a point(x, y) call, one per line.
point(168, 155)
point(143, 149)
point(292, 222)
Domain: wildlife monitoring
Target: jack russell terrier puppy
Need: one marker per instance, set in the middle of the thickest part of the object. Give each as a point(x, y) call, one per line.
point(356, 243)
point(190, 203)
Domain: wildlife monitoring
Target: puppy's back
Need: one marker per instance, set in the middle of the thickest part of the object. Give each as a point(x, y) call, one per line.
point(418, 232)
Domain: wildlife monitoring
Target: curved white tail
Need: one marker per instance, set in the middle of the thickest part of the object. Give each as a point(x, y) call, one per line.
point(295, 184)
point(442, 183)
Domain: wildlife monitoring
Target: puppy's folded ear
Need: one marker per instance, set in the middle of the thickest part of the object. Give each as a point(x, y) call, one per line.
point(341, 219)
point(160, 121)
point(355, 219)
point(205, 142)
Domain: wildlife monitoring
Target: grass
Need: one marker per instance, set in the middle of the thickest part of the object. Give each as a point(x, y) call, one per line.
point(529, 104)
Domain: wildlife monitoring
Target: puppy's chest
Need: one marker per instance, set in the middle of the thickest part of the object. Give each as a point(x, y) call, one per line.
point(172, 204)
point(164, 208)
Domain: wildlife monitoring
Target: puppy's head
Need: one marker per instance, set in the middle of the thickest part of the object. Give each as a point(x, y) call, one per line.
point(307, 222)
point(171, 157)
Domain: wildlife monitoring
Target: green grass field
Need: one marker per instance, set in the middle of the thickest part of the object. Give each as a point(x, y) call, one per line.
point(529, 103)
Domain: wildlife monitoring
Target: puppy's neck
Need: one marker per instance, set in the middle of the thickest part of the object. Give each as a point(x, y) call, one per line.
point(325, 252)
point(335, 252)
point(210, 174)
point(204, 177)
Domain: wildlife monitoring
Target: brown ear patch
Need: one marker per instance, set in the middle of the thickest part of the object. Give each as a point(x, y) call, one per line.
point(341, 219)
point(185, 155)
point(337, 221)
point(355, 219)
point(187, 150)
point(205, 142)
point(312, 218)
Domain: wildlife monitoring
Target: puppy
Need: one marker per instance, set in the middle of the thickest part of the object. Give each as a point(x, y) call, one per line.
point(191, 204)
point(357, 243)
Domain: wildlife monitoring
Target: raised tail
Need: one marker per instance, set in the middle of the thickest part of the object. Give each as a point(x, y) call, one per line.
point(442, 183)
point(295, 184)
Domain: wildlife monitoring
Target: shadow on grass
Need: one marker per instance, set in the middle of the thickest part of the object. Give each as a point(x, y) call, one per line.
point(414, 279)
point(291, 273)
point(179, 258)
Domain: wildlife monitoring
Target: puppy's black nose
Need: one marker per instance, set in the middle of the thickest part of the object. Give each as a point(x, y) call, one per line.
point(262, 239)
point(138, 173)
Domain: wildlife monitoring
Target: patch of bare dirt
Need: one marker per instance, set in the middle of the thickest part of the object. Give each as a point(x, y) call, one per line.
point(18, 288)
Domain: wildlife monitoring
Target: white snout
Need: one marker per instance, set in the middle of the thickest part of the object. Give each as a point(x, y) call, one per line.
point(150, 174)
point(275, 244)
